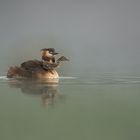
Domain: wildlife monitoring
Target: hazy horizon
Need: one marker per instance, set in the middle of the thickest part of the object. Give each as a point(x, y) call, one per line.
point(95, 35)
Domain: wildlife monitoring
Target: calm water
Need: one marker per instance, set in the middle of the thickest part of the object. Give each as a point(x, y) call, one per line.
point(100, 107)
point(101, 38)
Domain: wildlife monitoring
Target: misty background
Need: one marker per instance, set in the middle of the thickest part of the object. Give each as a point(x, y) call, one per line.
point(101, 36)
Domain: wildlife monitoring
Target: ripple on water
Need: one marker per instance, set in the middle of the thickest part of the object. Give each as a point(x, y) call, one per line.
point(69, 80)
point(3, 77)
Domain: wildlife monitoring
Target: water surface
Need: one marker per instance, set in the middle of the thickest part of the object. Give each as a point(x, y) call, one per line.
point(102, 107)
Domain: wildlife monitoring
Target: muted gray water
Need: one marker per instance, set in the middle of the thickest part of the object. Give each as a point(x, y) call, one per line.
point(100, 107)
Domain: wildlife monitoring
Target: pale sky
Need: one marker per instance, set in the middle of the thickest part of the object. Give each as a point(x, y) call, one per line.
point(93, 33)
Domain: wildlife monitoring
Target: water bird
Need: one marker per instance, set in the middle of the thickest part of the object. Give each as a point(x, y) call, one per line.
point(42, 69)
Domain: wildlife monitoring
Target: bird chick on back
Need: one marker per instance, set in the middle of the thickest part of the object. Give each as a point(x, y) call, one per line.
point(48, 54)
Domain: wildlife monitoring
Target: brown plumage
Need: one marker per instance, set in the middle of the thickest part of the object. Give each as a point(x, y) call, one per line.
point(19, 72)
point(35, 69)
point(32, 65)
point(38, 69)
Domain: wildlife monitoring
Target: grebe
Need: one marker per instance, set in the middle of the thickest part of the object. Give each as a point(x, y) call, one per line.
point(44, 69)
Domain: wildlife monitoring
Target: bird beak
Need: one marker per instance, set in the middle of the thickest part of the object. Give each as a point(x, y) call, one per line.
point(54, 53)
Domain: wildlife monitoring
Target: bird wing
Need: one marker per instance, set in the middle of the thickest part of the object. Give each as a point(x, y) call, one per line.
point(32, 65)
point(49, 66)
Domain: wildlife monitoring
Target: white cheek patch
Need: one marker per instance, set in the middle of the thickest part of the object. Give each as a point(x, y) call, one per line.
point(48, 54)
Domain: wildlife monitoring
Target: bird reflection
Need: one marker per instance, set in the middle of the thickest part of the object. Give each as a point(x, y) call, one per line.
point(47, 90)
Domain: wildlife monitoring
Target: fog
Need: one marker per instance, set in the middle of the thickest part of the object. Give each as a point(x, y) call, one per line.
point(96, 35)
